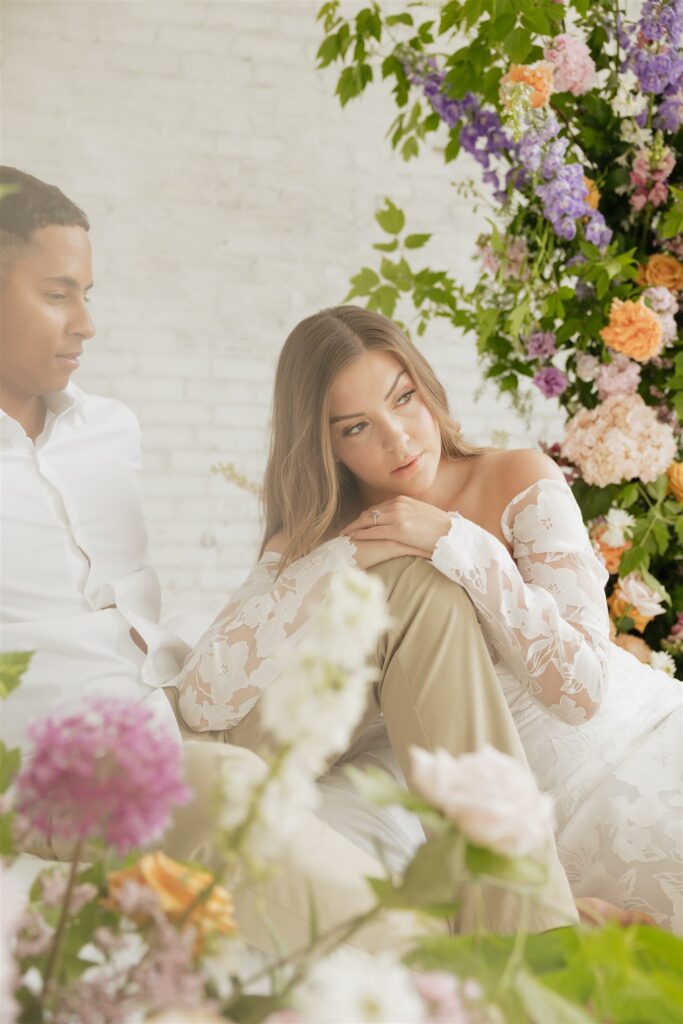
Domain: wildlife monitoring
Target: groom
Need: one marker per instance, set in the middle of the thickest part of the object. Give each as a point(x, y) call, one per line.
point(74, 585)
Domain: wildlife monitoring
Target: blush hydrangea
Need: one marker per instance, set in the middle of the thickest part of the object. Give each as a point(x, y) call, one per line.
point(107, 772)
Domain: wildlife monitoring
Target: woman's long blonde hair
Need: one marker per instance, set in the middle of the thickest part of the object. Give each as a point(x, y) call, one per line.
point(305, 493)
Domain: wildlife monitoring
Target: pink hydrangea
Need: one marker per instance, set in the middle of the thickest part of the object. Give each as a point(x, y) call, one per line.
point(620, 439)
point(573, 66)
point(620, 377)
point(107, 772)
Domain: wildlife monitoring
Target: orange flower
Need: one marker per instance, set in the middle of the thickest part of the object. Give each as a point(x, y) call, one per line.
point(619, 607)
point(635, 645)
point(539, 77)
point(661, 269)
point(675, 475)
point(593, 197)
point(178, 887)
point(633, 329)
point(610, 556)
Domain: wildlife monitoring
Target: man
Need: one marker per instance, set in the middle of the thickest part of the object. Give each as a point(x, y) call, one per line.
point(75, 588)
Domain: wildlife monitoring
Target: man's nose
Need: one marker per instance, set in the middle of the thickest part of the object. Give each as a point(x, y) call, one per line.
point(83, 324)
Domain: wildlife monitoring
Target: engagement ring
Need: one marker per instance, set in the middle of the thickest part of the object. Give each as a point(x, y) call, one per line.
point(375, 516)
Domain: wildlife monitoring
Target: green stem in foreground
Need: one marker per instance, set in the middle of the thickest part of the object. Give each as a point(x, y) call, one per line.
point(55, 948)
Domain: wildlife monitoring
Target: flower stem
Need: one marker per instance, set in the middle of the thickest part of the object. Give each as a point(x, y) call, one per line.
point(55, 948)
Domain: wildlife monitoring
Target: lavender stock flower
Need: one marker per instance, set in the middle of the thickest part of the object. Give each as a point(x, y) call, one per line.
point(541, 344)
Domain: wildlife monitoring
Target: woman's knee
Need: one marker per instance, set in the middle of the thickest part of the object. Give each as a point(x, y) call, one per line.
point(412, 578)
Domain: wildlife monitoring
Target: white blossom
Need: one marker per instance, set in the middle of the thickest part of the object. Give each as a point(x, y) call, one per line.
point(351, 987)
point(629, 100)
point(636, 592)
point(663, 662)
point(634, 135)
point(619, 526)
point(587, 367)
point(490, 797)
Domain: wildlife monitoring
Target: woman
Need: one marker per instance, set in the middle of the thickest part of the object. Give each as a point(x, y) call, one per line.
point(366, 466)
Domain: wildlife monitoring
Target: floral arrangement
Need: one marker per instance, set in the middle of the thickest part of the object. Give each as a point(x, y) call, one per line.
point(574, 115)
point(134, 935)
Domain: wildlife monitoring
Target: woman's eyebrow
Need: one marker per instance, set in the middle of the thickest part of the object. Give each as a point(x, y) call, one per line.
point(353, 415)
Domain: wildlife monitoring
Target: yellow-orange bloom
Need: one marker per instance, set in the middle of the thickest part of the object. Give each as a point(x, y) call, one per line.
point(619, 607)
point(593, 197)
point(675, 475)
point(539, 77)
point(661, 269)
point(633, 329)
point(635, 645)
point(178, 886)
point(610, 556)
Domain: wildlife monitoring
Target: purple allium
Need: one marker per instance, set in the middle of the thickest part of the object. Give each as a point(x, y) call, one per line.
point(541, 344)
point(551, 382)
point(107, 772)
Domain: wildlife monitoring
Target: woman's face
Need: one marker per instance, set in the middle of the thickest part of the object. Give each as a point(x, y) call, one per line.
point(378, 423)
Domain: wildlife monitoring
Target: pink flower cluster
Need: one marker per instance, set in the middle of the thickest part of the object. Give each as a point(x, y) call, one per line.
point(648, 177)
point(514, 262)
point(664, 303)
point(620, 377)
point(573, 66)
point(621, 439)
point(106, 773)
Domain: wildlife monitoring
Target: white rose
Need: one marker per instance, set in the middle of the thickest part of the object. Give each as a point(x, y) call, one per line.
point(490, 797)
point(619, 525)
point(635, 591)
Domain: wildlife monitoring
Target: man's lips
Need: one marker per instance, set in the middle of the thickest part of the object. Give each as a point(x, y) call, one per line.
point(407, 465)
point(71, 357)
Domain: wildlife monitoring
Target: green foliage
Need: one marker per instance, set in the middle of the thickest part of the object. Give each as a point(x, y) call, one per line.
point(12, 667)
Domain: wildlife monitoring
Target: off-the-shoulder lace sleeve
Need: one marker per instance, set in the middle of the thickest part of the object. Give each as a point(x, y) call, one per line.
point(543, 610)
point(234, 662)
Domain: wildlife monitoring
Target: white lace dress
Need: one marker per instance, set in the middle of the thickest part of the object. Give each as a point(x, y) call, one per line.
point(603, 733)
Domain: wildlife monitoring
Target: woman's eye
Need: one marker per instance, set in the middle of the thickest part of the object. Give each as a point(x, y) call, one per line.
point(406, 395)
point(354, 430)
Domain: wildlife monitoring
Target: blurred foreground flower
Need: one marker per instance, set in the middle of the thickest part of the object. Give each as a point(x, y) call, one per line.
point(107, 772)
point(183, 893)
point(490, 797)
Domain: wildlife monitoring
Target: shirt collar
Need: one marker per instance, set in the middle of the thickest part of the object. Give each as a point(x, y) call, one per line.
point(69, 399)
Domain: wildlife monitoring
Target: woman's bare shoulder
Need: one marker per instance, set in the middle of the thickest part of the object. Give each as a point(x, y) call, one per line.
point(508, 473)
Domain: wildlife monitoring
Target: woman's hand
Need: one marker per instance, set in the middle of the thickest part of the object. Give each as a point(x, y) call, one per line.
point(403, 520)
point(372, 552)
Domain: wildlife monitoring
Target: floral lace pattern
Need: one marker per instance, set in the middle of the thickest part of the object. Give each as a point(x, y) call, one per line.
point(233, 663)
point(543, 608)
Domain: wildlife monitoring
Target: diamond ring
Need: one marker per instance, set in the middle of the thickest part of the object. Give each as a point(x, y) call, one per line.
point(375, 516)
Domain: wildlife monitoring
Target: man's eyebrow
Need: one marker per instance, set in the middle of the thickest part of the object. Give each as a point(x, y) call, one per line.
point(68, 282)
point(353, 415)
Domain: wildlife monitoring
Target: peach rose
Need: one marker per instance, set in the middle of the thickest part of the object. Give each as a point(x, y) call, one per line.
point(662, 269)
point(633, 329)
point(636, 646)
point(593, 197)
point(675, 475)
point(611, 556)
point(177, 887)
point(539, 77)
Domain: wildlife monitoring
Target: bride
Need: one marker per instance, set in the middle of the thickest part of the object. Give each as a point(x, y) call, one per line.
point(366, 465)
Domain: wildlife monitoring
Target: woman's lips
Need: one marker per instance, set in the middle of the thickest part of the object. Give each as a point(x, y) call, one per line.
point(404, 470)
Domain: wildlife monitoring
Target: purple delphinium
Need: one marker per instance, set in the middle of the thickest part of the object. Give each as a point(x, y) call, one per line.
point(106, 772)
point(540, 344)
point(551, 382)
point(659, 67)
point(669, 116)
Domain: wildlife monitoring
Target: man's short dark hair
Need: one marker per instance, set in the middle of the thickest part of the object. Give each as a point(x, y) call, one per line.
point(28, 204)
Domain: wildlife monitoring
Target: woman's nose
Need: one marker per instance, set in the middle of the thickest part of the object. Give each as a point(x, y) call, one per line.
point(395, 437)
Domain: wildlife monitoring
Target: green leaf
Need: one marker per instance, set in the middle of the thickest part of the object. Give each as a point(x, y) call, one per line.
point(410, 148)
point(328, 51)
point(594, 501)
point(363, 282)
point(391, 219)
point(400, 19)
point(10, 761)
point(398, 273)
point(517, 45)
point(12, 667)
point(632, 559)
point(384, 299)
point(416, 241)
point(628, 495)
point(661, 533)
point(502, 27)
point(386, 246)
point(7, 847)
point(482, 862)
point(543, 1005)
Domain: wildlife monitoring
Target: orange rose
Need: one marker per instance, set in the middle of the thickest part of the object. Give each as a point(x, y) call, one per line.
point(539, 77)
point(675, 475)
point(178, 886)
point(633, 329)
point(620, 607)
point(661, 269)
point(593, 197)
point(610, 556)
point(635, 645)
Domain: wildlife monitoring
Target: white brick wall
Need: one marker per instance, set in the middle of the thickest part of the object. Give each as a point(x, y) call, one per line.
point(229, 196)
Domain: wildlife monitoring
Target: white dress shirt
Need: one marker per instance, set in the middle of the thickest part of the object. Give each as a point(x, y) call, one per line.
point(73, 544)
